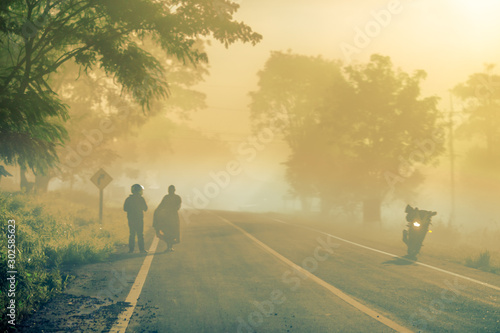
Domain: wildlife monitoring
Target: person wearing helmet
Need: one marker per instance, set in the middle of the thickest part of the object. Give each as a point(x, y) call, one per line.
point(135, 206)
point(166, 219)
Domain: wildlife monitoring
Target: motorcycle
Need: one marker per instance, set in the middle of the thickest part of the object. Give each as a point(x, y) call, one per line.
point(417, 228)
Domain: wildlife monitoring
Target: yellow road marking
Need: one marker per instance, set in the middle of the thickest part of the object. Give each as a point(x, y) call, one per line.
point(337, 292)
point(123, 320)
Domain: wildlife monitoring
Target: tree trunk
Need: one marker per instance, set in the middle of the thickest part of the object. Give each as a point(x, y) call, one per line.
point(326, 205)
point(26, 186)
point(305, 203)
point(42, 183)
point(371, 210)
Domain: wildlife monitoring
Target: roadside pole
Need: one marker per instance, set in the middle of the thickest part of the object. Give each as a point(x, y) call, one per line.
point(101, 194)
point(452, 164)
point(101, 179)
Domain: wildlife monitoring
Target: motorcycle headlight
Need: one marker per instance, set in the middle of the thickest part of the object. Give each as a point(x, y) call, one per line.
point(416, 224)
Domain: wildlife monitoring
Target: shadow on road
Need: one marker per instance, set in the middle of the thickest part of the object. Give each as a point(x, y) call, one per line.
point(400, 261)
point(114, 257)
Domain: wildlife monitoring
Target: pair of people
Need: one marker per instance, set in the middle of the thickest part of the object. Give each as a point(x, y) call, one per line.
point(165, 220)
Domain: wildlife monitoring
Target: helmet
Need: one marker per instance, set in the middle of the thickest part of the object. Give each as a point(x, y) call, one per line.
point(137, 188)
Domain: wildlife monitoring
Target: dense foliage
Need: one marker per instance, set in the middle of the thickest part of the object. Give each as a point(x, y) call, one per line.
point(38, 36)
point(350, 129)
point(44, 243)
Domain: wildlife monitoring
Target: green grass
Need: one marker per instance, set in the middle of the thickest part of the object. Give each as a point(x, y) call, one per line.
point(482, 262)
point(52, 231)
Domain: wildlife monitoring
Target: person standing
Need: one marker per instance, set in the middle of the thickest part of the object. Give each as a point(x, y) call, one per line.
point(135, 206)
point(166, 219)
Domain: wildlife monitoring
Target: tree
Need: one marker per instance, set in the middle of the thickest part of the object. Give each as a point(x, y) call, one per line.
point(94, 99)
point(349, 128)
point(392, 124)
point(480, 95)
point(39, 36)
point(291, 90)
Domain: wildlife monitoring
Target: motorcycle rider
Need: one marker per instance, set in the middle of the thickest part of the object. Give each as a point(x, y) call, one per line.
point(418, 226)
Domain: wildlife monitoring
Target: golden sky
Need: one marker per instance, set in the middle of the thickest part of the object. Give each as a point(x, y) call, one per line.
point(449, 39)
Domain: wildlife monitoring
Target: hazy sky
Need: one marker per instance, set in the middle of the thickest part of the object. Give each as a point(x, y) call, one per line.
point(449, 39)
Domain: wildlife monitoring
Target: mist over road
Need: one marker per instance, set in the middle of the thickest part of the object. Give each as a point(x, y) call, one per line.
point(249, 272)
point(221, 280)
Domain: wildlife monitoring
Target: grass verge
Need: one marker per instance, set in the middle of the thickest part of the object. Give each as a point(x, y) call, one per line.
point(482, 262)
point(46, 241)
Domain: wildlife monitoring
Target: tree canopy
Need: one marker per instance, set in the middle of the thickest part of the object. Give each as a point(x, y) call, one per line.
point(351, 128)
point(481, 95)
point(480, 129)
point(38, 36)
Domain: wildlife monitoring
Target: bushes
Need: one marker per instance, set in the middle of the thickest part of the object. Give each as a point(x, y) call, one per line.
point(482, 262)
point(77, 252)
point(44, 243)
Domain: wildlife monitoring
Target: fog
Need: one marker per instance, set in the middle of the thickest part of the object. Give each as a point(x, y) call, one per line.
point(219, 158)
point(448, 39)
point(291, 151)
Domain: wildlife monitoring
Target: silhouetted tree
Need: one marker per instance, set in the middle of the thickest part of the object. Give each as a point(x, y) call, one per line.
point(392, 124)
point(292, 89)
point(38, 37)
point(349, 129)
point(94, 98)
point(480, 95)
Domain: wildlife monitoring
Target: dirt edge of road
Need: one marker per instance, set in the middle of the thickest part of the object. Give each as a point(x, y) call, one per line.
point(94, 298)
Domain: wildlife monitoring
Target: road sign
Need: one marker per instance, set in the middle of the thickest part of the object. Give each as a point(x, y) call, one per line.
point(101, 179)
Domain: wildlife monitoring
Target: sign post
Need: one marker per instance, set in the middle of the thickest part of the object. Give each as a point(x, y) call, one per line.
point(101, 179)
point(101, 195)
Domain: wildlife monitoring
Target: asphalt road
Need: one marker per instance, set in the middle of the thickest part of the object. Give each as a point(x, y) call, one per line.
point(244, 272)
point(227, 276)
